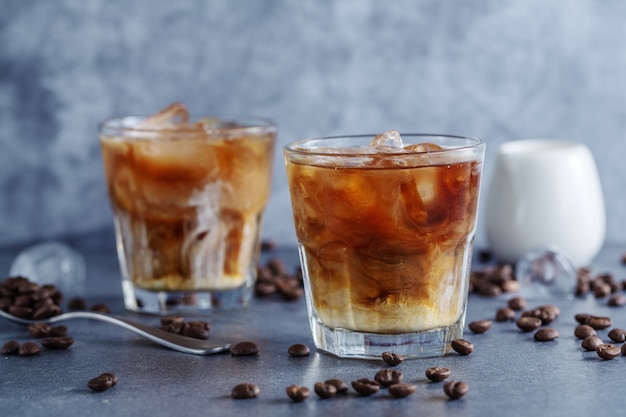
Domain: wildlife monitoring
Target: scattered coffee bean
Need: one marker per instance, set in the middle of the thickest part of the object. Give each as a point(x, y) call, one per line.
point(324, 390)
point(591, 343)
point(480, 326)
point(299, 349)
point(77, 303)
point(39, 330)
point(169, 320)
point(57, 343)
point(546, 334)
point(493, 280)
point(617, 300)
point(584, 330)
point(437, 373)
point(10, 348)
point(402, 390)
point(298, 393)
point(101, 308)
point(341, 386)
point(392, 359)
point(274, 278)
point(455, 389)
point(505, 314)
point(545, 314)
point(617, 335)
point(462, 347)
point(528, 324)
point(517, 303)
point(366, 387)
point(244, 349)
point(599, 323)
point(29, 349)
point(58, 331)
point(608, 351)
point(624, 349)
point(102, 382)
point(195, 329)
point(387, 377)
point(245, 391)
point(582, 318)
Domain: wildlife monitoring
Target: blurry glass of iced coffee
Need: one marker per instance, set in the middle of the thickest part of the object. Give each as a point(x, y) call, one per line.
point(188, 199)
point(385, 227)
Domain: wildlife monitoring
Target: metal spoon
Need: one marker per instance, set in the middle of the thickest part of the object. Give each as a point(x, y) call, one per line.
point(170, 340)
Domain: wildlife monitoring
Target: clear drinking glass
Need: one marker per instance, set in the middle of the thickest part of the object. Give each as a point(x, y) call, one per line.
point(385, 232)
point(188, 201)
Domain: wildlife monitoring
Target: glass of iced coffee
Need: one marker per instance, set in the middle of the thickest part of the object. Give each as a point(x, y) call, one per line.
point(385, 226)
point(188, 199)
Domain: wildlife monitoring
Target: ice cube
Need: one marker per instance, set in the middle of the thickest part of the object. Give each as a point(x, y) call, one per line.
point(390, 141)
point(546, 273)
point(172, 115)
point(52, 263)
point(423, 147)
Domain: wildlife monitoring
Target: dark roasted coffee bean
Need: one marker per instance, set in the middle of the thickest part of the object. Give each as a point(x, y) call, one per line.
point(58, 331)
point(77, 303)
point(517, 303)
point(196, 332)
point(505, 314)
point(57, 343)
point(21, 311)
point(437, 373)
point(624, 349)
point(341, 386)
point(324, 390)
point(582, 318)
point(39, 330)
point(168, 320)
point(298, 393)
point(100, 383)
point(264, 289)
point(551, 309)
point(46, 311)
point(366, 386)
point(387, 377)
point(528, 324)
point(402, 390)
point(101, 308)
point(244, 349)
point(29, 349)
point(510, 286)
point(608, 351)
point(599, 323)
point(591, 343)
point(617, 335)
point(245, 391)
point(584, 330)
point(546, 334)
point(617, 300)
point(462, 347)
point(488, 289)
point(455, 389)
point(480, 326)
point(111, 375)
point(299, 349)
point(392, 359)
point(545, 316)
point(10, 348)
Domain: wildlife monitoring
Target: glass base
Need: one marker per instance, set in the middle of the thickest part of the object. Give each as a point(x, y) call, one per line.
point(353, 344)
point(185, 302)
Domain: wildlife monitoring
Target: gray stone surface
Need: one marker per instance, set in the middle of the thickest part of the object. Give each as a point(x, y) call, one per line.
point(496, 69)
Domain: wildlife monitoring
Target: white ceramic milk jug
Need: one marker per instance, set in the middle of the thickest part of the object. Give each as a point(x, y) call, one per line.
point(545, 193)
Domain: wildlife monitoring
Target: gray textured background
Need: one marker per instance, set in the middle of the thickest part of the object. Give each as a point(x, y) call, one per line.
point(496, 69)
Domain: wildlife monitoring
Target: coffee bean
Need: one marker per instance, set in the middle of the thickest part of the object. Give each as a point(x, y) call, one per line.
point(77, 303)
point(462, 347)
point(546, 316)
point(455, 389)
point(599, 323)
point(21, 311)
point(57, 343)
point(387, 377)
point(591, 343)
point(245, 391)
point(528, 324)
point(111, 375)
point(324, 390)
point(39, 330)
point(608, 351)
point(505, 314)
point(517, 303)
point(195, 331)
point(10, 348)
point(584, 330)
point(46, 311)
point(392, 359)
point(101, 308)
point(298, 393)
point(29, 349)
point(244, 349)
point(341, 386)
point(617, 335)
point(299, 349)
point(366, 387)
point(546, 334)
point(624, 349)
point(480, 326)
point(58, 331)
point(102, 382)
point(402, 390)
point(617, 300)
point(437, 373)
point(582, 318)
point(168, 320)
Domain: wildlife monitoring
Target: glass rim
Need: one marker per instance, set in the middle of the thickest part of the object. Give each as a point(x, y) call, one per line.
point(292, 148)
point(128, 124)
